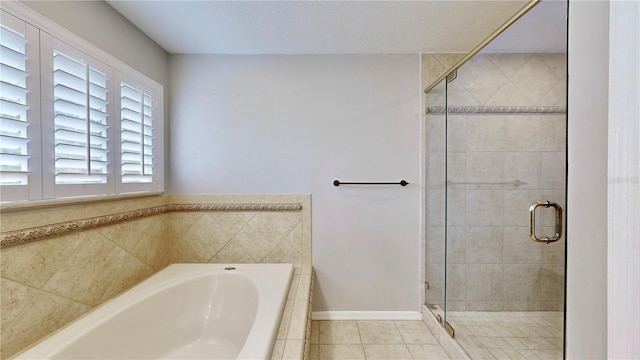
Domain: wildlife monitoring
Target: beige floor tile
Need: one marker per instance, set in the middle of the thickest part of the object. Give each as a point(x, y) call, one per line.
point(543, 331)
point(480, 354)
point(514, 335)
point(555, 354)
point(557, 342)
point(488, 342)
point(340, 352)
point(387, 351)
point(520, 331)
point(513, 354)
point(427, 352)
point(499, 354)
point(314, 333)
point(379, 332)
point(502, 331)
point(415, 332)
point(539, 354)
point(470, 341)
point(514, 343)
point(313, 352)
point(338, 332)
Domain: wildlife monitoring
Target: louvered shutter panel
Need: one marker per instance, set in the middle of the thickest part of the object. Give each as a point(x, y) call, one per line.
point(74, 121)
point(80, 121)
point(20, 136)
point(14, 122)
point(136, 134)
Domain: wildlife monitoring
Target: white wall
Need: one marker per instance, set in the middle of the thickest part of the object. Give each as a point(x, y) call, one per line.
point(100, 24)
point(293, 124)
point(587, 181)
point(624, 182)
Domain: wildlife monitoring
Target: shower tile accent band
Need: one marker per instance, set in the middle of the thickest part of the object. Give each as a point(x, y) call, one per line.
point(497, 109)
point(514, 183)
point(24, 236)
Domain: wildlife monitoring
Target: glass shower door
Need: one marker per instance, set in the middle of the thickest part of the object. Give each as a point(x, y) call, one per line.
point(435, 289)
point(505, 167)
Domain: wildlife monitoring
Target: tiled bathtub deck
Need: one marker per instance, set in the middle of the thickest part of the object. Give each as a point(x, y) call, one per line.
point(294, 328)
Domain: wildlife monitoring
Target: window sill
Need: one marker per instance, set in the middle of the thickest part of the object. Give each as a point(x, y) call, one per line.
point(41, 204)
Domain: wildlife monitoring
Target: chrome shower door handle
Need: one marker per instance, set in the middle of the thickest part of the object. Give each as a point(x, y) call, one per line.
point(532, 222)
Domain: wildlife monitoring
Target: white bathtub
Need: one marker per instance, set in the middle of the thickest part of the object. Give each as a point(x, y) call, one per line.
point(186, 311)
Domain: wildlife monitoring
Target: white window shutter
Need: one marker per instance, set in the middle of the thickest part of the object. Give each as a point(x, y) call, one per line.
point(76, 100)
point(19, 110)
point(80, 121)
point(139, 131)
point(14, 153)
point(70, 124)
point(136, 134)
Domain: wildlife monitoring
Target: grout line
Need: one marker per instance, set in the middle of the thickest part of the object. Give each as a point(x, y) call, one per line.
point(360, 337)
point(395, 324)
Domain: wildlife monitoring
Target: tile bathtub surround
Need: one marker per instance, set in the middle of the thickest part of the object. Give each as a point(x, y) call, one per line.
point(292, 340)
point(373, 340)
point(497, 165)
point(46, 284)
point(40, 287)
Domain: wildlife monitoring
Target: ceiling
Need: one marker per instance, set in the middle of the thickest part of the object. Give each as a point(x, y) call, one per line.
point(542, 29)
point(334, 27)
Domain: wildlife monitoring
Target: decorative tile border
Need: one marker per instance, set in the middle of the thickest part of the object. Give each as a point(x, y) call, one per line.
point(25, 236)
point(234, 207)
point(497, 110)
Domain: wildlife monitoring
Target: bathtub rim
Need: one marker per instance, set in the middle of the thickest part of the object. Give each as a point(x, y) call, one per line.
point(260, 340)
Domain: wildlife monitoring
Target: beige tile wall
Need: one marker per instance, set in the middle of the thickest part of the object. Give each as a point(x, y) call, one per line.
point(46, 284)
point(435, 65)
point(492, 264)
point(240, 237)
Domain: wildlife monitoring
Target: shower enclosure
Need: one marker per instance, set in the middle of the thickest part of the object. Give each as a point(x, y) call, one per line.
point(495, 194)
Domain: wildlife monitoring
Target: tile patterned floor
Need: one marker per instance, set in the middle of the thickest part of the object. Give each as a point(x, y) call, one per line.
point(509, 335)
point(347, 340)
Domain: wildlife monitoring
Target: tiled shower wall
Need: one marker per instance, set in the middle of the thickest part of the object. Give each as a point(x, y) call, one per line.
point(492, 263)
point(47, 284)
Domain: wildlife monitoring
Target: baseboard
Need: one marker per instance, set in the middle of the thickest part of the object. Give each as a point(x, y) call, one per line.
point(366, 315)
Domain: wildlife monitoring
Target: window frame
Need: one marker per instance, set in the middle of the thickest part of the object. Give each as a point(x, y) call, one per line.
point(42, 187)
